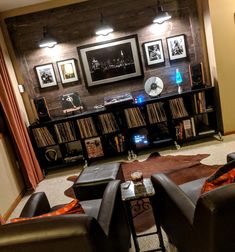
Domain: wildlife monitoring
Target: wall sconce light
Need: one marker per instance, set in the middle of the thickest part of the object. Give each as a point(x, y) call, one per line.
point(47, 40)
point(103, 29)
point(162, 15)
point(178, 80)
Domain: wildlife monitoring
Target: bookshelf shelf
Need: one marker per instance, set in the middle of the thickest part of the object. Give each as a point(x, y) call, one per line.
point(100, 133)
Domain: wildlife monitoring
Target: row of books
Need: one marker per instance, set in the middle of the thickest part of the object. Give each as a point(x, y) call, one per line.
point(87, 127)
point(134, 117)
point(108, 123)
point(178, 108)
point(65, 132)
point(115, 143)
point(156, 112)
point(43, 137)
point(185, 129)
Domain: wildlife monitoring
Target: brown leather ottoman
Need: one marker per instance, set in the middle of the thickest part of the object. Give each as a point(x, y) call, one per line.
point(92, 181)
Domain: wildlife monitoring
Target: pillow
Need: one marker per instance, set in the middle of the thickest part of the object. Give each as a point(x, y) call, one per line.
point(74, 207)
point(223, 176)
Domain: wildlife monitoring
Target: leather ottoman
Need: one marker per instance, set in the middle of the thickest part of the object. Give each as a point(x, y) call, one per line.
point(231, 157)
point(92, 181)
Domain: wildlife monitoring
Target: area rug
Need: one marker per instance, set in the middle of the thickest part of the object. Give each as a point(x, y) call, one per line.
point(181, 169)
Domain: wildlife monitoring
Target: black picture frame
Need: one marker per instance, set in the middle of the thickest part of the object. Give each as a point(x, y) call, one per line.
point(111, 61)
point(154, 53)
point(177, 49)
point(46, 75)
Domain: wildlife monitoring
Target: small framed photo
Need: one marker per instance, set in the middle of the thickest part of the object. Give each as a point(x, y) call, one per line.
point(67, 70)
point(46, 75)
point(176, 47)
point(154, 52)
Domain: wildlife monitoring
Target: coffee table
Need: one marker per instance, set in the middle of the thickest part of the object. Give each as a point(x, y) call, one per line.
point(138, 192)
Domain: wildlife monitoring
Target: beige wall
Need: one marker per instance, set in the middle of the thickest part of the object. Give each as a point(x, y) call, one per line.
point(223, 32)
point(11, 185)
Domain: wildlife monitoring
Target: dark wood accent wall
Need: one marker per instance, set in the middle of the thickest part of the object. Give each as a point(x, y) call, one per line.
point(74, 26)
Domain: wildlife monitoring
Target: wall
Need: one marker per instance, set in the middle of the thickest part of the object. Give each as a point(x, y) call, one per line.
point(223, 32)
point(74, 26)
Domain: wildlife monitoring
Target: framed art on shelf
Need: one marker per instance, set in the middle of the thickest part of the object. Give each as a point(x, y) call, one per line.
point(111, 61)
point(67, 71)
point(46, 75)
point(176, 47)
point(154, 52)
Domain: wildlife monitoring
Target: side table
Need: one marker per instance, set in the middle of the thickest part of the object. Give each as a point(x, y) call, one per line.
point(130, 192)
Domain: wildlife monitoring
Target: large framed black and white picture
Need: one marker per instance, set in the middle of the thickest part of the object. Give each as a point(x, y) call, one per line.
point(154, 52)
point(46, 75)
point(111, 61)
point(176, 47)
point(67, 70)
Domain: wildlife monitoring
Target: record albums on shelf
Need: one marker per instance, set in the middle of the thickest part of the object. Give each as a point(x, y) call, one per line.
point(118, 99)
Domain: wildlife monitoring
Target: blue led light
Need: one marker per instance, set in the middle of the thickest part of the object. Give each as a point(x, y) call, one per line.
point(139, 99)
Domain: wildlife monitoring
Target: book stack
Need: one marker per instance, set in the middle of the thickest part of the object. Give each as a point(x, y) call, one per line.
point(86, 127)
point(108, 123)
point(156, 113)
point(94, 147)
point(65, 132)
point(200, 103)
point(134, 118)
point(43, 137)
point(119, 141)
point(177, 108)
point(185, 129)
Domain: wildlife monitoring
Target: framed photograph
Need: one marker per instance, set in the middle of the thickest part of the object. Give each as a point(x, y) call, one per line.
point(176, 47)
point(111, 61)
point(67, 71)
point(154, 52)
point(46, 75)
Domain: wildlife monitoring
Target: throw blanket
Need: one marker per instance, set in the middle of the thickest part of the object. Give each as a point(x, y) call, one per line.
point(223, 176)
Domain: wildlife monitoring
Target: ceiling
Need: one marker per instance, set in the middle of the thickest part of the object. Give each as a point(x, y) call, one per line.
point(6, 5)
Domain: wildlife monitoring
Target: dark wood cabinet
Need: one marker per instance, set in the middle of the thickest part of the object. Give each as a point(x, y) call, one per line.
point(166, 120)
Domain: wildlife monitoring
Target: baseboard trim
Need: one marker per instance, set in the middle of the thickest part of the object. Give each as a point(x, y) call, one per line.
point(13, 205)
point(229, 133)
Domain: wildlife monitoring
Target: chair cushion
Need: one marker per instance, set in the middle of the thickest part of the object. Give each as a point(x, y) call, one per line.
point(70, 208)
point(193, 189)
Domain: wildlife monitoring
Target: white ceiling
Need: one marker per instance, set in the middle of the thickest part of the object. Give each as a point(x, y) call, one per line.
point(6, 5)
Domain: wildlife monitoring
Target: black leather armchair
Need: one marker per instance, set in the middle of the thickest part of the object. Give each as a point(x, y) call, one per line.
point(195, 222)
point(102, 228)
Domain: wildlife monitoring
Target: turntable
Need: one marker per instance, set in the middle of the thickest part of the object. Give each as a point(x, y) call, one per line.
point(118, 99)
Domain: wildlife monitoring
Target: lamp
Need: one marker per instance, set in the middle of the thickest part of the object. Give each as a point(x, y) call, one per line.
point(47, 40)
point(162, 15)
point(103, 29)
point(178, 80)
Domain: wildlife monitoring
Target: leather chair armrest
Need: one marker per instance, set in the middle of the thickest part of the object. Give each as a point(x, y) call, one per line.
point(175, 197)
point(60, 233)
point(36, 205)
point(110, 196)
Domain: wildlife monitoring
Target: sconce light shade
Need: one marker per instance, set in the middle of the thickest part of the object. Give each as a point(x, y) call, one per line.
point(103, 29)
point(162, 15)
point(47, 40)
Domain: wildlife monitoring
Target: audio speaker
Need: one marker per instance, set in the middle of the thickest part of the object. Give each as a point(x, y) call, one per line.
point(42, 109)
point(196, 75)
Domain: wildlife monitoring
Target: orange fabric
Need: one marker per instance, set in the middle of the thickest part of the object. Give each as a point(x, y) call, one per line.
point(31, 169)
point(74, 207)
point(224, 179)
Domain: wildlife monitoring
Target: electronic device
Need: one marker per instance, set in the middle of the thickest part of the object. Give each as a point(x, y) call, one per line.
point(118, 99)
point(153, 86)
point(42, 109)
point(196, 73)
point(140, 138)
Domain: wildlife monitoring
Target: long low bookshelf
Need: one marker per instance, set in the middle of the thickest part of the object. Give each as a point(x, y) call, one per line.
point(100, 133)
